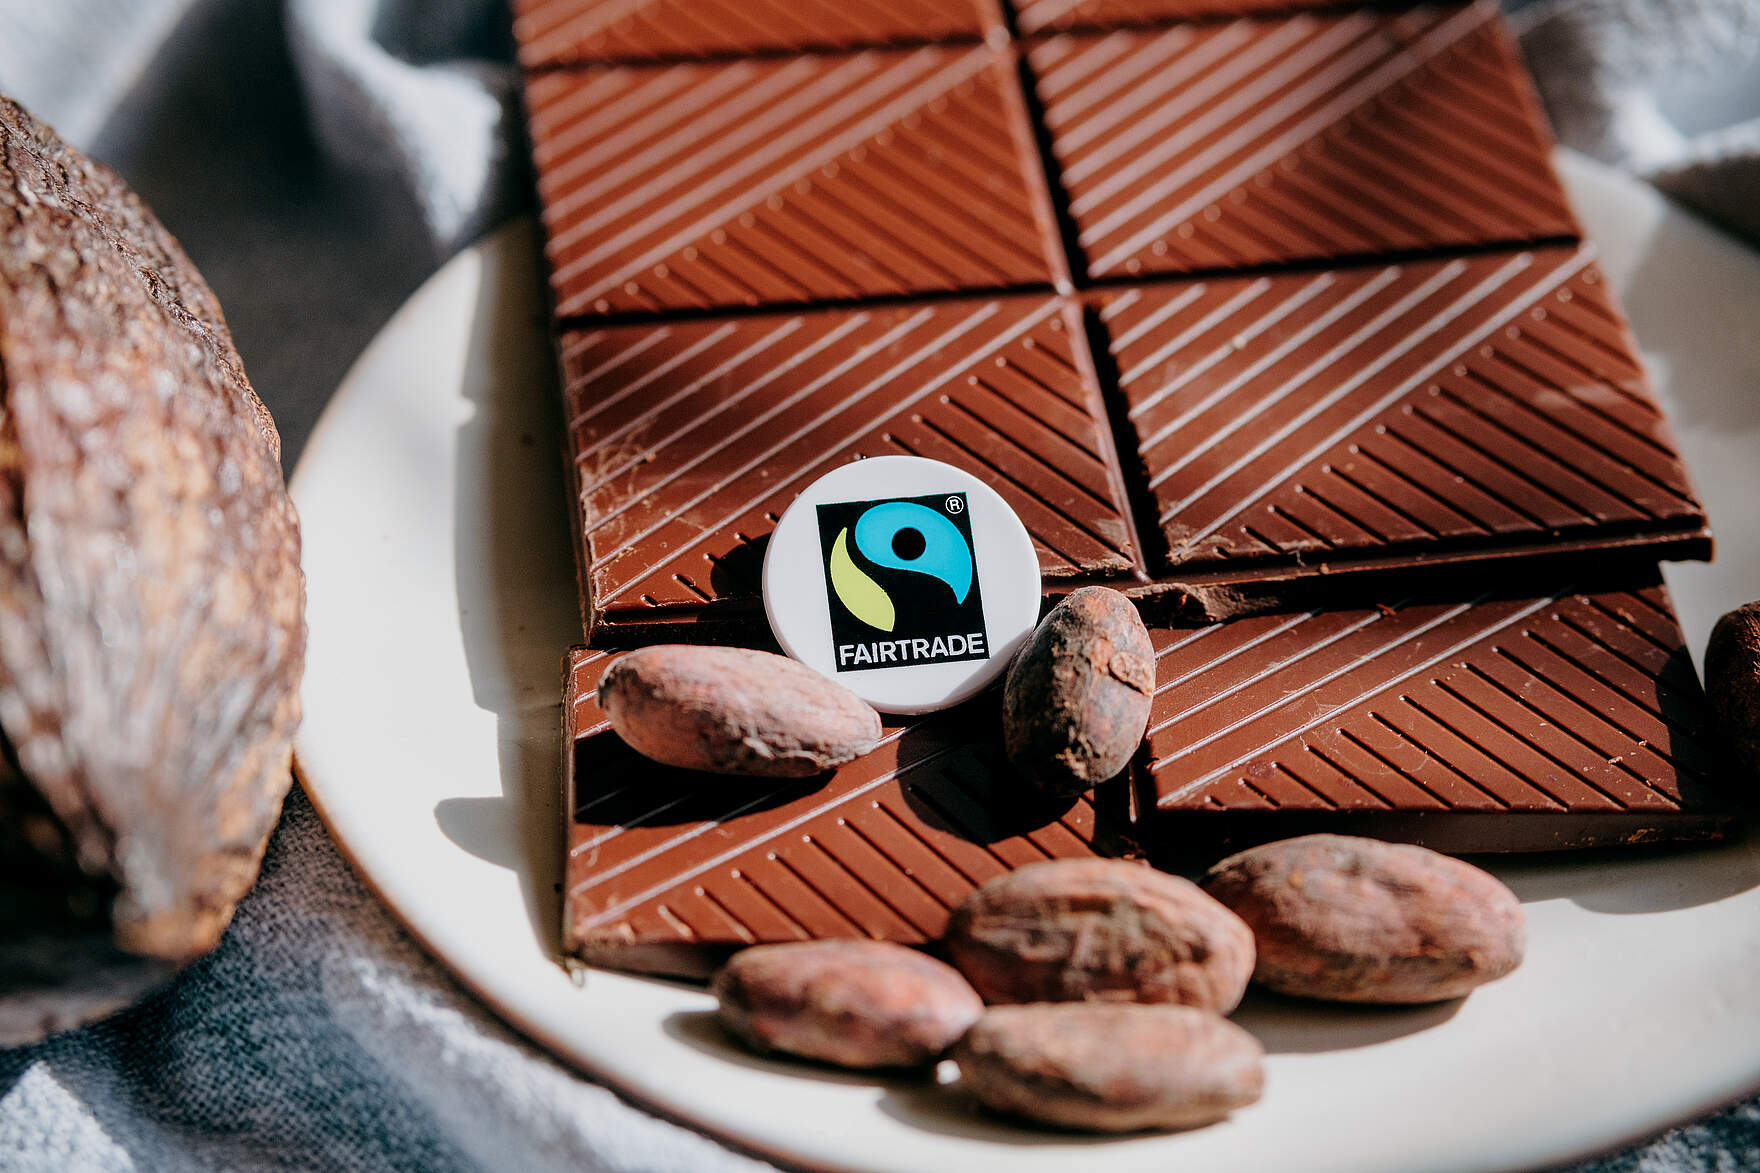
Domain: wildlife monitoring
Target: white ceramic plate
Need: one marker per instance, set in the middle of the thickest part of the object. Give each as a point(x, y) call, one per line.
point(442, 598)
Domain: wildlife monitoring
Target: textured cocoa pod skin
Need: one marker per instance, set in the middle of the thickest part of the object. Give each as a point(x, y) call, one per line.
point(152, 628)
point(861, 1004)
point(1104, 930)
point(734, 711)
point(1732, 680)
point(1106, 1067)
point(1358, 920)
point(1076, 700)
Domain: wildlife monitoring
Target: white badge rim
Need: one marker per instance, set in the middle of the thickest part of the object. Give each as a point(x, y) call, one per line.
point(798, 606)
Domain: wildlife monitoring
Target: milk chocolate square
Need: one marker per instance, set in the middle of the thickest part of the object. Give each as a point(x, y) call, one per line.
point(669, 870)
point(797, 179)
point(690, 438)
point(1298, 138)
point(575, 32)
point(1479, 406)
point(1509, 720)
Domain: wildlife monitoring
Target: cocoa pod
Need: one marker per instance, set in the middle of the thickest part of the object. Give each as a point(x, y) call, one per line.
point(1359, 920)
point(853, 1003)
point(734, 711)
point(1103, 1067)
point(1732, 680)
point(1075, 930)
point(1076, 700)
point(152, 609)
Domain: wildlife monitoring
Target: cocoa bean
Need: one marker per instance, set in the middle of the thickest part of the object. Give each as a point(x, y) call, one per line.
point(1074, 930)
point(1076, 700)
point(734, 711)
point(853, 1003)
point(1359, 920)
point(1732, 680)
point(1110, 1068)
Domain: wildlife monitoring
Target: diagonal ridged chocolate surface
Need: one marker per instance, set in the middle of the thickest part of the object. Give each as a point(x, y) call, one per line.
point(1572, 702)
point(575, 32)
point(1053, 16)
point(1318, 135)
point(1490, 402)
point(669, 870)
point(798, 179)
point(689, 439)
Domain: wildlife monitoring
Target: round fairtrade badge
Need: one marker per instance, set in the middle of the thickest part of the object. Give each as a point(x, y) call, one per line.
point(908, 581)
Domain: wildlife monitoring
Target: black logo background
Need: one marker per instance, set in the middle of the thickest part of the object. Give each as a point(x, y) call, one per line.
point(923, 606)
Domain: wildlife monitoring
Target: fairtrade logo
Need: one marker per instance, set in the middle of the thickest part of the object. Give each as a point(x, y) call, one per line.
point(903, 569)
point(902, 535)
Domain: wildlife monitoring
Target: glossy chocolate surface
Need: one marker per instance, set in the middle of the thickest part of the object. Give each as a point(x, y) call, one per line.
point(576, 32)
point(793, 179)
point(1310, 417)
point(1485, 403)
point(668, 870)
point(1297, 138)
point(1052, 16)
point(1245, 305)
point(1567, 709)
point(689, 439)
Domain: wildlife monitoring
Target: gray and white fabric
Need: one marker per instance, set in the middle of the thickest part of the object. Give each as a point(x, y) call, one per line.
point(319, 158)
point(1669, 91)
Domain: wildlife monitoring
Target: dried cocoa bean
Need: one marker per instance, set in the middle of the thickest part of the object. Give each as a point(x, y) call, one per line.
point(852, 1003)
point(1110, 1068)
point(1732, 680)
point(1359, 920)
point(734, 711)
point(1075, 930)
point(1076, 700)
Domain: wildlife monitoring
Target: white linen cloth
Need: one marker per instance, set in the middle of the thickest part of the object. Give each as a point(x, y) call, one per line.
point(318, 158)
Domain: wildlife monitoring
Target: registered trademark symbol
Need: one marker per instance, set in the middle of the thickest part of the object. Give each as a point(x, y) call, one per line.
point(955, 505)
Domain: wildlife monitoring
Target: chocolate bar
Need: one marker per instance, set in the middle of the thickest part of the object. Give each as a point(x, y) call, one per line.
point(798, 179)
point(1423, 368)
point(1394, 414)
point(669, 871)
point(1309, 137)
point(576, 32)
point(690, 438)
point(1309, 270)
point(1502, 722)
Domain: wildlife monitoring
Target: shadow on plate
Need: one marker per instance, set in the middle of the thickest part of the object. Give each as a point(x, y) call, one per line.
point(487, 828)
point(948, 1110)
point(913, 1098)
point(699, 1030)
point(517, 608)
point(1288, 1026)
point(1692, 300)
point(1633, 880)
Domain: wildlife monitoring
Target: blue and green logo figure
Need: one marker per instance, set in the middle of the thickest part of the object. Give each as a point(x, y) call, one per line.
point(903, 583)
